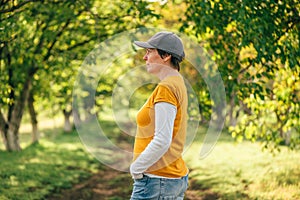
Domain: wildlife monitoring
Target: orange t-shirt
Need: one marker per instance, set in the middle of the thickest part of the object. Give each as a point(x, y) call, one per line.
point(171, 90)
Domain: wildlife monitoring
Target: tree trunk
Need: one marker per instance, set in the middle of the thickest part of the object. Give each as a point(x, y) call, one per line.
point(13, 139)
point(12, 130)
point(232, 119)
point(287, 137)
point(67, 126)
point(76, 116)
point(3, 129)
point(33, 117)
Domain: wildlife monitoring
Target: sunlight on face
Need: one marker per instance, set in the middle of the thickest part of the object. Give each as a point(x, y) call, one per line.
point(154, 62)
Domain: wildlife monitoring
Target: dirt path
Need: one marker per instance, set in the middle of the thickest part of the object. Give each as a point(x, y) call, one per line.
point(110, 184)
point(106, 184)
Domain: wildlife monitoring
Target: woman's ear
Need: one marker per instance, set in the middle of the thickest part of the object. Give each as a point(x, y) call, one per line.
point(167, 58)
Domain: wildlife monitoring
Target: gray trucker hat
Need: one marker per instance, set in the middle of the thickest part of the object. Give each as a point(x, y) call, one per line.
point(166, 41)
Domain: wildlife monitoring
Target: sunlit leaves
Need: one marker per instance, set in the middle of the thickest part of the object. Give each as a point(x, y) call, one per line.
point(256, 47)
point(274, 118)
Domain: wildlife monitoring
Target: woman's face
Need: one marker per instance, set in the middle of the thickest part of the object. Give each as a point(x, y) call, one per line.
point(154, 62)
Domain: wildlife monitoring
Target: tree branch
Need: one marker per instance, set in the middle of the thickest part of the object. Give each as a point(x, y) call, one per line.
point(60, 32)
point(3, 123)
point(41, 41)
point(15, 7)
point(79, 44)
point(10, 82)
point(245, 69)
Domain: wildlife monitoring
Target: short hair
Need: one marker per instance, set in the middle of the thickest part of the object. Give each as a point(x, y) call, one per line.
point(174, 59)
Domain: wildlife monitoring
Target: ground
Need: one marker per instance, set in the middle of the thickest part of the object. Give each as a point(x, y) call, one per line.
point(110, 184)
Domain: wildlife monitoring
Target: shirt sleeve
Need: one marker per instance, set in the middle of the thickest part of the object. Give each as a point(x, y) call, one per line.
point(165, 114)
point(164, 94)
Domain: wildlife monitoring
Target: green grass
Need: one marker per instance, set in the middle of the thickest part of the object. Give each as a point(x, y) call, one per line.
point(231, 171)
point(56, 163)
point(242, 171)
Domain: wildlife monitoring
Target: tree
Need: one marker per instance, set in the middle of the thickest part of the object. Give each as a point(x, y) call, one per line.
point(40, 37)
point(253, 43)
point(106, 19)
point(32, 30)
point(16, 87)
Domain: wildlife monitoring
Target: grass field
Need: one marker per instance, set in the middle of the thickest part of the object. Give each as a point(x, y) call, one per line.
point(56, 163)
point(242, 171)
point(231, 171)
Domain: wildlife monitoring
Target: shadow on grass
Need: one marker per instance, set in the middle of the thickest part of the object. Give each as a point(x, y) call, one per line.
point(45, 167)
point(201, 190)
point(57, 163)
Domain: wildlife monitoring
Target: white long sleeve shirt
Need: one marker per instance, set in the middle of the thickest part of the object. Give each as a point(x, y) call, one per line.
point(165, 114)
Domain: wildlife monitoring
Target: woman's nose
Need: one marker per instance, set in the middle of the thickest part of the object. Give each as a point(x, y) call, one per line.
point(145, 57)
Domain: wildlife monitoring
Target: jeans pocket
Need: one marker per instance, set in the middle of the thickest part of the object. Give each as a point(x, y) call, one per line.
point(139, 185)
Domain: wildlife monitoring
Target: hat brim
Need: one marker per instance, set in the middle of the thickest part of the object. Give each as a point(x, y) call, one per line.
point(144, 45)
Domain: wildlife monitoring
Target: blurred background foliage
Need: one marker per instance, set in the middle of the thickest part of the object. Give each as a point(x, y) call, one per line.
point(43, 44)
point(254, 44)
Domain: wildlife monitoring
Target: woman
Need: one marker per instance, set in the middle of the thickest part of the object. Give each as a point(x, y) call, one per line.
point(158, 169)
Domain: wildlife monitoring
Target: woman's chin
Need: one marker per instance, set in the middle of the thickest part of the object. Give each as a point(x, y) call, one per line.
point(149, 69)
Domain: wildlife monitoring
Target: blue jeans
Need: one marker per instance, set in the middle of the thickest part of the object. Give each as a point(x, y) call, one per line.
point(159, 188)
